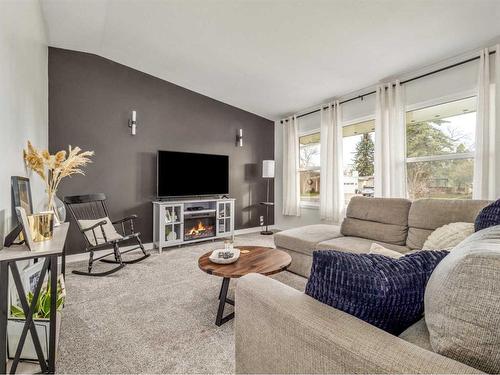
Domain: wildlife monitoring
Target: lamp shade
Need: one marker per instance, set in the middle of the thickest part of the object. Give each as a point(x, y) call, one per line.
point(268, 168)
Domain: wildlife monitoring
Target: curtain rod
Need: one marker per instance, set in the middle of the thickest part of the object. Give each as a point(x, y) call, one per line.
point(402, 82)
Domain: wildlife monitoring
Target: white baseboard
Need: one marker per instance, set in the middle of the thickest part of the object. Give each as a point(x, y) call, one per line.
point(149, 246)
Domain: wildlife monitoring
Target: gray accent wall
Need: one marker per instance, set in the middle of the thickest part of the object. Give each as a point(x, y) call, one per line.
point(90, 102)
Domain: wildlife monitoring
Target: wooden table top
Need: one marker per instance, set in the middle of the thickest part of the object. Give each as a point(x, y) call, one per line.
point(263, 260)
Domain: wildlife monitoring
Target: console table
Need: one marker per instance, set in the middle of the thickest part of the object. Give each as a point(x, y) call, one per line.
point(49, 251)
point(192, 220)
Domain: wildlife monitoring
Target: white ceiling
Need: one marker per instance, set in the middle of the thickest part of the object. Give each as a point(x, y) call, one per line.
point(272, 57)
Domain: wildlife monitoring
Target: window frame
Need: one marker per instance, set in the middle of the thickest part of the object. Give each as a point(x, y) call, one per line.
point(309, 203)
point(315, 203)
point(359, 120)
point(432, 103)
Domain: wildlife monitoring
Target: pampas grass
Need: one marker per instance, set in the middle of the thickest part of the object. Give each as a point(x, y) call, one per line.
point(53, 168)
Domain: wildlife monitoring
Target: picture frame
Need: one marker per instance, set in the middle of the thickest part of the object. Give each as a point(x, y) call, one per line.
point(25, 227)
point(21, 194)
point(30, 276)
point(20, 197)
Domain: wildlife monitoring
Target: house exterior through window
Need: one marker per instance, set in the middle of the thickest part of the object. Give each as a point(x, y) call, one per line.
point(440, 150)
point(309, 166)
point(440, 154)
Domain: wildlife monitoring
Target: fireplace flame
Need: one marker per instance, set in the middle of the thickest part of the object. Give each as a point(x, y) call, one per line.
point(198, 229)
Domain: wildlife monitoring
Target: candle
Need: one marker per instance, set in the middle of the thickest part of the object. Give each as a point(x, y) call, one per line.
point(134, 115)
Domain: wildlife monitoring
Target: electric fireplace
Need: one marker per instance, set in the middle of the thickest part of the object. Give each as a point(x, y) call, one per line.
point(198, 226)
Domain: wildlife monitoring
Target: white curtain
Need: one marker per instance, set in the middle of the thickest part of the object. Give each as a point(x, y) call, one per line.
point(331, 198)
point(291, 188)
point(487, 158)
point(390, 142)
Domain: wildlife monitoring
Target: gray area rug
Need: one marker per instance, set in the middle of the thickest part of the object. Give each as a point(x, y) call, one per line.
point(156, 316)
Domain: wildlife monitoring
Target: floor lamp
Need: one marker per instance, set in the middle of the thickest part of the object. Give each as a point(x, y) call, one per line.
point(268, 174)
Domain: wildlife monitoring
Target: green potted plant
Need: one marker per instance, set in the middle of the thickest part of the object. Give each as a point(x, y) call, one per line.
point(41, 316)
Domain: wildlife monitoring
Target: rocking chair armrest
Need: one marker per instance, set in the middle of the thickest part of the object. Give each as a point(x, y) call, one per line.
point(128, 218)
point(99, 224)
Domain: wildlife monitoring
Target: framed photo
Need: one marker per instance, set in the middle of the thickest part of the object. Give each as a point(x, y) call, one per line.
point(20, 197)
point(31, 275)
point(21, 194)
point(25, 226)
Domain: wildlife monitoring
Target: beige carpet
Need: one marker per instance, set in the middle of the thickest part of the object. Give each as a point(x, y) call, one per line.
point(156, 316)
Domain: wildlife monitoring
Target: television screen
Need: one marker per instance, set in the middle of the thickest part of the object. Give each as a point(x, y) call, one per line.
point(185, 174)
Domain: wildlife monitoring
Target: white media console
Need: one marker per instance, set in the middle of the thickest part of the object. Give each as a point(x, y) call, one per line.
point(186, 221)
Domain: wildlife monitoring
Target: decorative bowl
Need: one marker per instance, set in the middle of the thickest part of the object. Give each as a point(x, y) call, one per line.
point(215, 258)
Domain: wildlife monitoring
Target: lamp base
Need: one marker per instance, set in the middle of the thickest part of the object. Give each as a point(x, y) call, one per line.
point(266, 232)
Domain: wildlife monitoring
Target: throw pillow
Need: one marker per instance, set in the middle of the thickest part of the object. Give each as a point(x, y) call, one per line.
point(385, 292)
point(377, 248)
point(109, 230)
point(488, 217)
point(448, 236)
point(462, 302)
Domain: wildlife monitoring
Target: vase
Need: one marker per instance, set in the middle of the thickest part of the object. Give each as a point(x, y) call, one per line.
point(54, 204)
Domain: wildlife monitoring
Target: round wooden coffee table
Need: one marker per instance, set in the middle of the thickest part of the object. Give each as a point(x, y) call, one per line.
point(253, 259)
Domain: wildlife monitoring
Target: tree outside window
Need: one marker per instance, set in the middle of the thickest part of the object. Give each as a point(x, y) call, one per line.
point(358, 159)
point(440, 150)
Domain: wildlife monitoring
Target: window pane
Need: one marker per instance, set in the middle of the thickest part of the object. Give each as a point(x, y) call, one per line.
point(309, 150)
point(442, 129)
point(441, 179)
point(309, 185)
point(358, 156)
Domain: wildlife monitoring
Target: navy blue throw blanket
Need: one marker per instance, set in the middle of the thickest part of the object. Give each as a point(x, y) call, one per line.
point(488, 217)
point(383, 291)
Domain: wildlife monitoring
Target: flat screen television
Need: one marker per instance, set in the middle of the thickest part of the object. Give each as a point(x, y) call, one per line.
point(181, 174)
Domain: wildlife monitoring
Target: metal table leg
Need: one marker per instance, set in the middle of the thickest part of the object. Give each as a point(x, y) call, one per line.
point(220, 320)
point(4, 281)
point(53, 315)
point(28, 313)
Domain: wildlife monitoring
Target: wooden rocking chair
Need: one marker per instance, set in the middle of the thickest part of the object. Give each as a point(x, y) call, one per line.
point(91, 215)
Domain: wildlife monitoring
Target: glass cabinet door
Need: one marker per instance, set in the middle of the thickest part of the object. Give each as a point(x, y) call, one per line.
point(173, 223)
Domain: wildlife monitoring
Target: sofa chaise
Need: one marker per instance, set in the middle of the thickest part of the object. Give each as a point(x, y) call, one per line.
point(397, 224)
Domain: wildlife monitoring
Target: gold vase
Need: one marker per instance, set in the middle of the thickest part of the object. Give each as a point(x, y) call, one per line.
point(41, 226)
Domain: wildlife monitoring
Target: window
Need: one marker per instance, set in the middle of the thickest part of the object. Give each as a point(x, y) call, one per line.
point(309, 149)
point(358, 159)
point(440, 150)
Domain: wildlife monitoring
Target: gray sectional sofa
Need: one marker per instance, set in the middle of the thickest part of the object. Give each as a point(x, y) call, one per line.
point(397, 224)
point(279, 329)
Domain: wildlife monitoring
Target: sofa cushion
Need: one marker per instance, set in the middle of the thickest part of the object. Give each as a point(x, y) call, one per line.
point(303, 239)
point(418, 334)
point(385, 292)
point(448, 236)
point(301, 263)
point(426, 215)
point(378, 219)
point(356, 245)
point(462, 302)
point(377, 248)
point(488, 217)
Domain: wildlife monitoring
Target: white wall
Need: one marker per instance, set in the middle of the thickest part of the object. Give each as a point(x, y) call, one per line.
point(23, 95)
point(447, 85)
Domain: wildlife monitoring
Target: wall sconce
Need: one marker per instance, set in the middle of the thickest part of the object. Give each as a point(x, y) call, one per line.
point(239, 138)
point(132, 124)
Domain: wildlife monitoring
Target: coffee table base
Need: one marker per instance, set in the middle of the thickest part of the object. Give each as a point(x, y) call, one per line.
point(221, 319)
